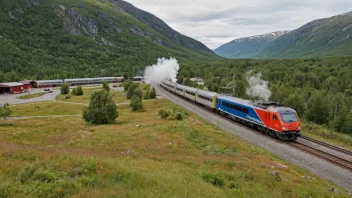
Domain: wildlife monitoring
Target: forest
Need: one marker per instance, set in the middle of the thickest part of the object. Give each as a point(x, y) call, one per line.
point(320, 90)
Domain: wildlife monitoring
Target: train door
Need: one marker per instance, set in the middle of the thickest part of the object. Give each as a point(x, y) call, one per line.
point(275, 122)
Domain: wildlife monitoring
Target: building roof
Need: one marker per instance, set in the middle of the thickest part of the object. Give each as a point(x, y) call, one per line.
point(26, 81)
point(10, 84)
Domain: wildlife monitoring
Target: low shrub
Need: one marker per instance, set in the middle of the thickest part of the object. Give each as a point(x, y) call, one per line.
point(213, 179)
point(163, 114)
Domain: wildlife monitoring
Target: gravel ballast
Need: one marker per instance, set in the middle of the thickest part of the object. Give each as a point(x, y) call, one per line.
point(313, 164)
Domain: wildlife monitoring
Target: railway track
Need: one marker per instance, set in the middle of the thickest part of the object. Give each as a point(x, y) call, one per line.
point(327, 156)
point(348, 152)
point(321, 154)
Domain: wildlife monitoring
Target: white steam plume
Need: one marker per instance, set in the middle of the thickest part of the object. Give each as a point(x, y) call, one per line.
point(164, 69)
point(257, 86)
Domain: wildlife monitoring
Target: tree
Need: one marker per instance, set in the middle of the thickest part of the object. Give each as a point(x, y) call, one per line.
point(130, 91)
point(318, 109)
point(74, 91)
point(296, 102)
point(152, 93)
point(106, 86)
point(146, 95)
point(138, 93)
point(347, 127)
point(102, 109)
point(64, 89)
point(127, 84)
point(136, 103)
point(79, 91)
point(5, 111)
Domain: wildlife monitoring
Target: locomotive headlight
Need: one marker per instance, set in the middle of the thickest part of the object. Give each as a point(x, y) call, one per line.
point(299, 128)
point(284, 128)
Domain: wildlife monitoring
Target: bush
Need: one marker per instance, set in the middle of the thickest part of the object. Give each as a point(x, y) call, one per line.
point(101, 110)
point(136, 103)
point(79, 91)
point(152, 93)
point(138, 93)
point(74, 92)
point(5, 111)
point(163, 114)
point(64, 89)
point(213, 179)
point(131, 90)
point(146, 95)
point(179, 116)
point(106, 86)
point(5, 190)
point(26, 174)
point(127, 84)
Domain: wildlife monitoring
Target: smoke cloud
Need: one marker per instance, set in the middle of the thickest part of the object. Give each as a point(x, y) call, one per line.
point(257, 86)
point(164, 69)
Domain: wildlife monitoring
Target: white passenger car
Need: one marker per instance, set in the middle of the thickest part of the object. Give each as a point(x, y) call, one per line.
point(190, 93)
point(172, 87)
point(207, 98)
point(180, 90)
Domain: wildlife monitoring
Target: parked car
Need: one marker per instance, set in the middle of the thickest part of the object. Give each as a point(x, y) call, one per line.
point(114, 86)
point(46, 89)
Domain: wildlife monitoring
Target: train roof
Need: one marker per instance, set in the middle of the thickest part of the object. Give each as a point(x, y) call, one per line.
point(237, 100)
point(207, 93)
point(48, 81)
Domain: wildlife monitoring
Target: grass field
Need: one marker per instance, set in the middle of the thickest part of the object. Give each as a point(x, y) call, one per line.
point(32, 95)
point(141, 155)
point(118, 96)
point(326, 135)
point(46, 108)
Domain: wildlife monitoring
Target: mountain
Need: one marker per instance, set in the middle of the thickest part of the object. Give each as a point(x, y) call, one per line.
point(320, 38)
point(247, 47)
point(67, 38)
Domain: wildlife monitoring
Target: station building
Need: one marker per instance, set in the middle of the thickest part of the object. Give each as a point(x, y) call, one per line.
point(14, 87)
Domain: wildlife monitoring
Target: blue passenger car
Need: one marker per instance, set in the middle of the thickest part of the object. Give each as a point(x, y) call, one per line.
point(238, 108)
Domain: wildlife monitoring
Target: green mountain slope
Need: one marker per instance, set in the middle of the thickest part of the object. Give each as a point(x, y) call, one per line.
point(69, 38)
point(248, 47)
point(324, 37)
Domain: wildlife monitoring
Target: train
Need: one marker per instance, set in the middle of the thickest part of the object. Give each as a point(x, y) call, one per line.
point(270, 118)
point(73, 82)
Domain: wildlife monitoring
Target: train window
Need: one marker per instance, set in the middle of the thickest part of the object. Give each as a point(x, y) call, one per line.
point(275, 117)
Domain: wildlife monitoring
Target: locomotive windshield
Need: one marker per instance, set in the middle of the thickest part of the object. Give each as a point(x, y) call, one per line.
point(289, 117)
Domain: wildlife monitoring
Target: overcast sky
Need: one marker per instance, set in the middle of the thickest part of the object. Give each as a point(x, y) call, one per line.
point(215, 22)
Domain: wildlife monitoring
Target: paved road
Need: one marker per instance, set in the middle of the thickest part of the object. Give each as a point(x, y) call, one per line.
point(12, 98)
point(311, 163)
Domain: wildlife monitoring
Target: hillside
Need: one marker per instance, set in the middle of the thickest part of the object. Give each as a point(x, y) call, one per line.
point(247, 47)
point(66, 38)
point(320, 38)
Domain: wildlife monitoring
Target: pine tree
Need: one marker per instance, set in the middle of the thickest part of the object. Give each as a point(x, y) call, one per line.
point(64, 89)
point(130, 91)
point(146, 95)
point(138, 93)
point(102, 109)
point(136, 103)
point(152, 93)
point(106, 86)
point(5, 111)
point(79, 91)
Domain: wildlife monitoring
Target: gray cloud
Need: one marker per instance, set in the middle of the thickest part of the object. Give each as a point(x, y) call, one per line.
point(217, 22)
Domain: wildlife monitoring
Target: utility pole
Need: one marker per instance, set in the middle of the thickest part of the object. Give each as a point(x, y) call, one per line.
point(233, 86)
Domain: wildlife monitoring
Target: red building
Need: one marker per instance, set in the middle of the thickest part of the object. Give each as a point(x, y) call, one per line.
point(14, 87)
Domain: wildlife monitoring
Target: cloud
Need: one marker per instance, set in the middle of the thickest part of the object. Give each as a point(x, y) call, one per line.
point(217, 22)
